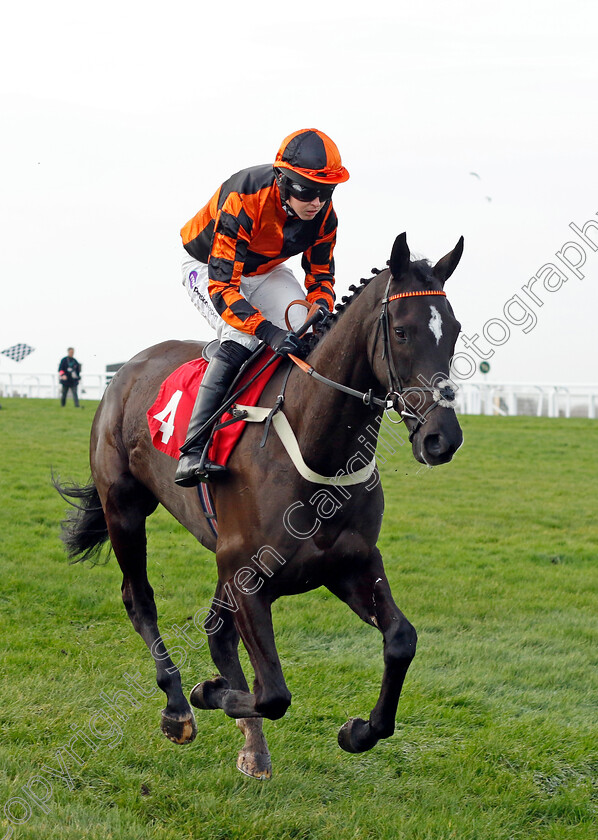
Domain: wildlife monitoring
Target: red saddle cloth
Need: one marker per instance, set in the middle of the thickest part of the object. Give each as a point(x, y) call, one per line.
point(169, 416)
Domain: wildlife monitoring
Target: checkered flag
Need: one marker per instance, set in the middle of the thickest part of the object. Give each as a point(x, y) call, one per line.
point(18, 352)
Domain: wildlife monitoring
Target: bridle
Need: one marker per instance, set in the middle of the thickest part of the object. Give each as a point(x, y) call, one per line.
point(442, 393)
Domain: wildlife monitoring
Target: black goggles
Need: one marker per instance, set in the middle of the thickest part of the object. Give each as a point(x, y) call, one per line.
point(302, 193)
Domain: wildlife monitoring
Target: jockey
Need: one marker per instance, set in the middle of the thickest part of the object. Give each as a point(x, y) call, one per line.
point(234, 269)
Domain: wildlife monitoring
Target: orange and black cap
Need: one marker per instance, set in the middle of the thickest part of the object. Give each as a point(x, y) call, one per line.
point(312, 155)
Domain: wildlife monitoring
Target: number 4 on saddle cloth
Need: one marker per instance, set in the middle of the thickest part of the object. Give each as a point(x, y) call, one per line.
point(169, 416)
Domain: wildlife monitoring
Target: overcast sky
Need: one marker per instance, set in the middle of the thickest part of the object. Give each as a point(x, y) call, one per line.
point(121, 118)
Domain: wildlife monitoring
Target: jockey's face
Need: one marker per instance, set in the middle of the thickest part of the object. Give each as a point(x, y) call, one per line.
point(306, 210)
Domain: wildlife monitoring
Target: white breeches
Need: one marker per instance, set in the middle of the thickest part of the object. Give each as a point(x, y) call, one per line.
point(271, 293)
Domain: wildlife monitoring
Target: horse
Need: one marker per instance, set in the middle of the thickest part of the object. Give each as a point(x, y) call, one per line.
point(388, 344)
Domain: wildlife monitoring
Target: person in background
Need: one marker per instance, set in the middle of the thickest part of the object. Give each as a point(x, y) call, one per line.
point(234, 272)
point(69, 373)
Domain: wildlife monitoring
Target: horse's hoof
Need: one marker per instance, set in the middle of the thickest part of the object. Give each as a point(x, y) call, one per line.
point(355, 736)
point(208, 694)
point(256, 765)
point(179, 730)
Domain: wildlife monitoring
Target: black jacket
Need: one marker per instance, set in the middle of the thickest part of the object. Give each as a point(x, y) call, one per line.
point(70, 368)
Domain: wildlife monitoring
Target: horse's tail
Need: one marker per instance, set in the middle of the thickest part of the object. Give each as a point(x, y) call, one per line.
point(83, 530)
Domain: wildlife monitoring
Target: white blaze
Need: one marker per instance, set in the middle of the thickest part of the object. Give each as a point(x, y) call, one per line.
point(435, 324)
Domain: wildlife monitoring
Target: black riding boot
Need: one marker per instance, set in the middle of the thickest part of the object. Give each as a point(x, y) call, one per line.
point(221, 371)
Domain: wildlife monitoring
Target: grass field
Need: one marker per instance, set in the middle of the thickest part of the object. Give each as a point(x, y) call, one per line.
point(493, 558)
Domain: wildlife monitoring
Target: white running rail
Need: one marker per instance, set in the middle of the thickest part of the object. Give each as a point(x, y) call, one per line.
point(491, 398)
point(509, 399)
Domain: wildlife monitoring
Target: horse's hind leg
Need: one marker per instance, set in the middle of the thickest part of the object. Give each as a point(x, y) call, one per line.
point(254, 758)
point(367, 593)
point(127, 505)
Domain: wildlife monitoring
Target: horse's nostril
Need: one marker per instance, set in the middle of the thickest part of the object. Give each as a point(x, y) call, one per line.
point(435, 445)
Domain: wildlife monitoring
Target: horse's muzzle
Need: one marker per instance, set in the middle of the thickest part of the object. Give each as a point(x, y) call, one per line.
point(436, 442)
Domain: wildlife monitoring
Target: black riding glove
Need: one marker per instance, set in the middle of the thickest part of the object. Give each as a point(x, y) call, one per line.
point(288, 343)
point(325, 314)
point(279, 340)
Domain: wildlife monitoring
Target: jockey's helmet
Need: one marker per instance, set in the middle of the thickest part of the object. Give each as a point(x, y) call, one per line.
point(308, 164)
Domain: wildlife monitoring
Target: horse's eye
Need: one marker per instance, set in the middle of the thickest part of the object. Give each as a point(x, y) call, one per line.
point(400, 334)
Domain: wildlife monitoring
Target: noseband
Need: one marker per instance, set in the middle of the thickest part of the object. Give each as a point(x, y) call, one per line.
point(442, 395)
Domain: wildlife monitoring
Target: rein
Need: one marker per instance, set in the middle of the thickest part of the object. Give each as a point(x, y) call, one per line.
point(443, 395)
point(313, 317)
point(366, 397)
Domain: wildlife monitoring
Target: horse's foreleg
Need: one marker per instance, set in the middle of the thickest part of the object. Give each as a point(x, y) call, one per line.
point(369, 595)
point(125, 516)
point(271, 697)
point(254, 758)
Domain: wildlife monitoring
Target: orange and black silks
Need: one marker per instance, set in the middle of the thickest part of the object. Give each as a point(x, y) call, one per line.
point(245, 230)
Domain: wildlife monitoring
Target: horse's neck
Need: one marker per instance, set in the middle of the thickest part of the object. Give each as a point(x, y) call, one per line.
point(331, 427)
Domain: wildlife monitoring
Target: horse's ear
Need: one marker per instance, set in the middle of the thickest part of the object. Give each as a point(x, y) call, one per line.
point(445, 266)
point(400, 257)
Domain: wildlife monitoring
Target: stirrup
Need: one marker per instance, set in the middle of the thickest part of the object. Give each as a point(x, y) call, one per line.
point(201, 470)
point(210, 468)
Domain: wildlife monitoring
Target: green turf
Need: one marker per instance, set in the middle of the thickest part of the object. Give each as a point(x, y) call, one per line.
point(493, 558)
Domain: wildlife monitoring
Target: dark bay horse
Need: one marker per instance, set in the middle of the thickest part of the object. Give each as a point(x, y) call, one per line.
point(281, 533)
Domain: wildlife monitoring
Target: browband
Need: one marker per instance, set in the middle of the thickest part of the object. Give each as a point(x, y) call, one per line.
point(414, 294)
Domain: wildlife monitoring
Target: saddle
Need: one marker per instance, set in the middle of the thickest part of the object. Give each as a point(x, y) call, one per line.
point(168, 418)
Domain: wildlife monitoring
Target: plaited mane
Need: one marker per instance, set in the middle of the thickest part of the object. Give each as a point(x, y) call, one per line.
point(420, 268)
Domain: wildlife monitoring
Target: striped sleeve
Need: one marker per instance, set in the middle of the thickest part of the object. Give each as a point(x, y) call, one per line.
point(232, 233)
point(318, 263)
